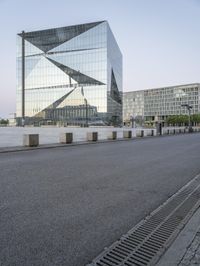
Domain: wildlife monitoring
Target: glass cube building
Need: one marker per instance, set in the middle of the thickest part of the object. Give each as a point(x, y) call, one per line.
point(69, 76)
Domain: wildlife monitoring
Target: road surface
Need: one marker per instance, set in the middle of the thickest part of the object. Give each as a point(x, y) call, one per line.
point(62, 206)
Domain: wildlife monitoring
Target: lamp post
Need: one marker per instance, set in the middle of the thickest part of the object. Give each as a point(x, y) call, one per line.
point(189, 107)
point(23, 78)
point(86, 105)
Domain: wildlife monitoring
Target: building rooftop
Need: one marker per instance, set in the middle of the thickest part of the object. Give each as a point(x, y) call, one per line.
point(167, 87)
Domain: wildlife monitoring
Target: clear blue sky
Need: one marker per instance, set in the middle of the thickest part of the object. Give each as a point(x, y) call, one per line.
point(159, 39)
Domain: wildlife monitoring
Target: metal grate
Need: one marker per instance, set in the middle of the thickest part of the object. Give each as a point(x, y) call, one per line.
point(147, 241)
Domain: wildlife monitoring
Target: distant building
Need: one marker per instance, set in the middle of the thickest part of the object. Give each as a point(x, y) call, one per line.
point(133, 105)
point(158, 104)
point(69, 76)
point(12, 119)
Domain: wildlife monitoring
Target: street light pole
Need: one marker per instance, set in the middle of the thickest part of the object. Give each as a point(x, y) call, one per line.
point(23, 78)
point(86, 104)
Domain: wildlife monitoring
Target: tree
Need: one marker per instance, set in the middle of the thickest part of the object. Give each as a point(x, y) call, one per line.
point(4, 122)
point(177, 120)
point(195, 118)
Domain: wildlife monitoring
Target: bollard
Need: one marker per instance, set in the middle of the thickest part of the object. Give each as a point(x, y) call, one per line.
point(165, 132)
point(112, 135)
point(127, 134)
point(92, 136)
point(174, 131)
point(150, 133)
point(31, 140)
point(140, 133)
point(66, 138)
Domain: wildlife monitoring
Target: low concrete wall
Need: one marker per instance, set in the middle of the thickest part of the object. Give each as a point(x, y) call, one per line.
point(13, 136)
point(178, 130)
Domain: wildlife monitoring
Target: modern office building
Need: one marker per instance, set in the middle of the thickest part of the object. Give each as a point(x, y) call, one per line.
point(69, 76)
point(133, 105)
point(158, 104)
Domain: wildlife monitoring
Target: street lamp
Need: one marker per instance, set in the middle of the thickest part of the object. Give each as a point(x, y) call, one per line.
point(86, 105)
point(189, 107)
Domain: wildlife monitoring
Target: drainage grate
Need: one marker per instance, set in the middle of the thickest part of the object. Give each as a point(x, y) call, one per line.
point(146, 242)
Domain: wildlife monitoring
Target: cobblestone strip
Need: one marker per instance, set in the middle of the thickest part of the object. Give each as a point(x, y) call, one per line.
point(192, 254)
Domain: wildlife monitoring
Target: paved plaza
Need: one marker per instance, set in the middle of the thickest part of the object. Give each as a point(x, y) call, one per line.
point(13, 136)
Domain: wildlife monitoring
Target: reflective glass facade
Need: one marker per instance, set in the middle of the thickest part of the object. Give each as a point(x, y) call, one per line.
point(73, 76)
point(158, 104)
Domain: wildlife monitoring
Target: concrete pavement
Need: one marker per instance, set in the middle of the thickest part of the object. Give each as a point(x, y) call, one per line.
point(63, 206)
point(185, 251)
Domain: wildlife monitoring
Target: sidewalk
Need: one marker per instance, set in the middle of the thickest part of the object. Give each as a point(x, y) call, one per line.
point(76, 143)
point(185, 250)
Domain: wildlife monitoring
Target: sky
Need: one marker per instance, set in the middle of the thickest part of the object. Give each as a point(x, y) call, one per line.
point(159, 39)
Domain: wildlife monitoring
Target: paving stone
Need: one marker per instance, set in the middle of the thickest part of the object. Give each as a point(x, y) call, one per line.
point(192, 255)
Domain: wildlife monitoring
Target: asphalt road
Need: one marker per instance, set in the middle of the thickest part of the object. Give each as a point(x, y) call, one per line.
point(62, 206)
